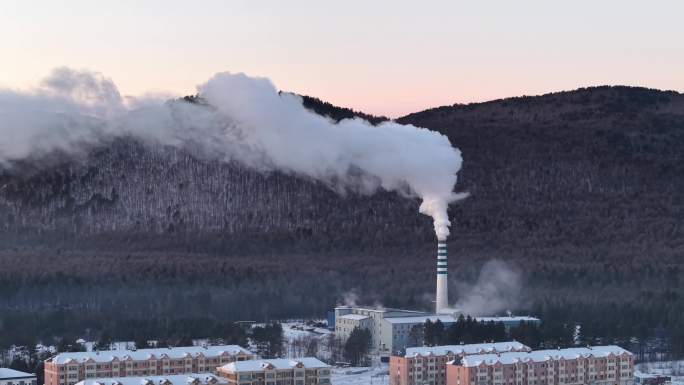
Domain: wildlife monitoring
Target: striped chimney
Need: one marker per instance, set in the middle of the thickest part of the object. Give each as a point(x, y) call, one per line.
point(442, 296)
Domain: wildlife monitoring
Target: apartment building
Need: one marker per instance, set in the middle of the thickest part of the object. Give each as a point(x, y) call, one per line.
point(428, 365)
point(15, 377)
point(70, 368)
point(597, 365)
point(299, 371)
point(176, 379)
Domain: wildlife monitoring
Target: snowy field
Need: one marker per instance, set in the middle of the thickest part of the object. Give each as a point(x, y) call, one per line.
point(360, 376)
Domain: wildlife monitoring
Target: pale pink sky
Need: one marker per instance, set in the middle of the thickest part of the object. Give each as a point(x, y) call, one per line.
point(382, 57)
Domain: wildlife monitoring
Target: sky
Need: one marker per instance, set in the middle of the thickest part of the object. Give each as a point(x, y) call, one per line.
point(382, 57)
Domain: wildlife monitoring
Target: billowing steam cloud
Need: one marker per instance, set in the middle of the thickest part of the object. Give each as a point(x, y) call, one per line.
point(498, 288)
point(238, 118)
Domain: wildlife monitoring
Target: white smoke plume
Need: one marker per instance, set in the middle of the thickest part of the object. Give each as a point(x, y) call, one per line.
point(246, 120)
point(350, 298)
point(498, 288)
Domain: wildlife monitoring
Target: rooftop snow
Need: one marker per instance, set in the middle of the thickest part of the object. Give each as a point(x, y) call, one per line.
point(507, 319)
point(542, 355)
point(421, 319)
point(7, 373)
point(378, 309)
point(466, 349)
point(279, 363)
point(144, 354)
point(354, 316)
point(176, 379)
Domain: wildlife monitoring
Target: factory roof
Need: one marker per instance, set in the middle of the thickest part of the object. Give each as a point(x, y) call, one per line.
point(495, 347)
point(507, 319)
point(275, 364)
point(379, 309)
point(421, 319)
point(10, 374)
point(542, 355)
point(146, 354)
point(354, 316)
point(177, 379)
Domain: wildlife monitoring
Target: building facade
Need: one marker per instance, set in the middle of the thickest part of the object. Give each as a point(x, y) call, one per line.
point(176, 379)
point(70, 368)
point(299, 371)
point(428, 365)
point(15, 377)
point(347, 323)
point(598, 365)
point(375, 320)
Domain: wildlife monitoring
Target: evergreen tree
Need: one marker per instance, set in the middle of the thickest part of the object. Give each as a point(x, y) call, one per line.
point(357, 346)
point(428, 333)
point(415, 336)
point(269, 340)
point(438, 332)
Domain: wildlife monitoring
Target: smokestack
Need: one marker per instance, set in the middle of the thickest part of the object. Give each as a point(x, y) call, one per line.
point(442, 296)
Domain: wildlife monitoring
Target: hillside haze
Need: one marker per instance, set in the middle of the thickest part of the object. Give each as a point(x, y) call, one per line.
point(576, 190)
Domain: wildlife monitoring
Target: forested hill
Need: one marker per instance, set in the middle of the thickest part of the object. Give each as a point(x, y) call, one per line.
point(337, 113)
point(597, 167)
point(597, 170)
point(580, 190)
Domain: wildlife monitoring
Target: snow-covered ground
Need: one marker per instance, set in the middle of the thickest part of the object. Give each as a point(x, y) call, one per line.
point(360, 376)
point(675, 369)
point(298, 337)
point(294, 329)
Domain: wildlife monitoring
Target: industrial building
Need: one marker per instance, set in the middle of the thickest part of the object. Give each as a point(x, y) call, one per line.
point(427, 365)
point(282, 371)
point(651, 379)
point(15, 377)
point(177, 379)
point(70, 368)
point(390, 329)
point(598, 365)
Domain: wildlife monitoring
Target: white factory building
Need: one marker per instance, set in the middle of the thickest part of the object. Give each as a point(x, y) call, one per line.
point(390, 328)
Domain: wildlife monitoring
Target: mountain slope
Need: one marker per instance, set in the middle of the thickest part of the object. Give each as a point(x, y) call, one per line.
point(580, 191)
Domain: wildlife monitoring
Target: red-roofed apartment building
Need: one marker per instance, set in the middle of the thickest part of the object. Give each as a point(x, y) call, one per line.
point(427, 365)
point(70, 368)
point(598, 365)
